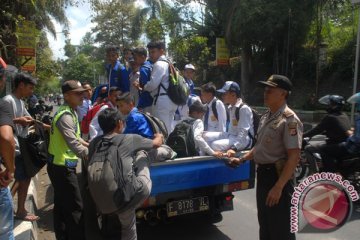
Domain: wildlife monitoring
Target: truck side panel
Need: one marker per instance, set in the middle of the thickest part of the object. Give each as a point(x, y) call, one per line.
point(189, 175)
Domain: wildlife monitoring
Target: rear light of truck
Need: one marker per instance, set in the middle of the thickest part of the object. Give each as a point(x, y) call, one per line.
point(229, 198)
point(150, 201)
point(237, 186)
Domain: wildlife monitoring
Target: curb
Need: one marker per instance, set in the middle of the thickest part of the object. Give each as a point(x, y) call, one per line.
point(24, 230)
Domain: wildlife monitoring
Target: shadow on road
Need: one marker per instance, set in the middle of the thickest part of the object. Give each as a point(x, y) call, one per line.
point(189, 228)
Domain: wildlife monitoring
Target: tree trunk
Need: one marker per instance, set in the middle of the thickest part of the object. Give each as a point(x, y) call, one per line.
point(246, 68)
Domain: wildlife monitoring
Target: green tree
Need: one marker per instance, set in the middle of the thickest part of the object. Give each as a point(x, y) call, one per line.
point(40, 11)
point(192, 49)
point(114, 19)
point(47, 70)
point(154, 30)
point(83, 68)
point(149, 19)
point(69, 49)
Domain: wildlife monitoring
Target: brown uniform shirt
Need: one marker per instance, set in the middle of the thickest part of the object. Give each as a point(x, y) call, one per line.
point(277, 133)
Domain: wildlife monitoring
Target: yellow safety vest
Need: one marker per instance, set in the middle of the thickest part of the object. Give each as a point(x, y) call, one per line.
point(58, 148)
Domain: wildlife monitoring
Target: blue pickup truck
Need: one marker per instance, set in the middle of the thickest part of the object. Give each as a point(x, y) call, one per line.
point(194, 185)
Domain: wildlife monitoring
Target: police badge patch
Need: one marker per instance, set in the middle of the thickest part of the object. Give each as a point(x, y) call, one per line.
point(292, 128)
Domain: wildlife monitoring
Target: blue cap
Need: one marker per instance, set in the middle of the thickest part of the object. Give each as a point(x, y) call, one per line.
point(230, 86)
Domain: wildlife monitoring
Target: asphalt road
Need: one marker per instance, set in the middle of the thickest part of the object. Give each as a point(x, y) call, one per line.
point(241, 223)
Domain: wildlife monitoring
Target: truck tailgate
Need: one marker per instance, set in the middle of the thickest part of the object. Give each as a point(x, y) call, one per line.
point(196, 172)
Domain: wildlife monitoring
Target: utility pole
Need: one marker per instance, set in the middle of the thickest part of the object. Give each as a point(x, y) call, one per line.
point(356, 63)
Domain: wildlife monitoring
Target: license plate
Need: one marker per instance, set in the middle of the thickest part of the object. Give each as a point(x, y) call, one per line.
point(187, 206)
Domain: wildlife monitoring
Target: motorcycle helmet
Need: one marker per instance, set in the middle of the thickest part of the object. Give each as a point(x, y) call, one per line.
point(334, 102)
point(354, 98)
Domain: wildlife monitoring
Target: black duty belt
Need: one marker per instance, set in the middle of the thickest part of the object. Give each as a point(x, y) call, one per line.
point(266, 166)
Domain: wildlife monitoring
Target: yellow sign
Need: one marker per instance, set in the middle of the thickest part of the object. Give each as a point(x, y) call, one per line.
point(26, 47)
point(28, 63)
point(222, 52)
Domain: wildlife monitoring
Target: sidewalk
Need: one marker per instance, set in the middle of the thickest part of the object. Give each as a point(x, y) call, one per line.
point(39, 202)
point(24, 230)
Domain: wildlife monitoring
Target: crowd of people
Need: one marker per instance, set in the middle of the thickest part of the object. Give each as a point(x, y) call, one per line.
point(217, 122)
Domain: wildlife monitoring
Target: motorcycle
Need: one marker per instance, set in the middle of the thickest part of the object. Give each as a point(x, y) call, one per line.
point(43, 113)
point(311, 162)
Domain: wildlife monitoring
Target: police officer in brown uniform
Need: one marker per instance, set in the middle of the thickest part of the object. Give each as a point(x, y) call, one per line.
point(276, 152)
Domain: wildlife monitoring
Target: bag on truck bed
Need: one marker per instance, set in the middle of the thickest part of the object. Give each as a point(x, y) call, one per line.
point(181, 140)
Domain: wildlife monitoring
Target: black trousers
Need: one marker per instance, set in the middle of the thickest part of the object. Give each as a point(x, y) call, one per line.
point(68, 206)
point(274, 221)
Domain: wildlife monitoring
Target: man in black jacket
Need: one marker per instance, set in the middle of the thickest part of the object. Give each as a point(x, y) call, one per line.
point(335, 126)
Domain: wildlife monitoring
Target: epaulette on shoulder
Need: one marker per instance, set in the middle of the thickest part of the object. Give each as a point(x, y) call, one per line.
point(288, 112)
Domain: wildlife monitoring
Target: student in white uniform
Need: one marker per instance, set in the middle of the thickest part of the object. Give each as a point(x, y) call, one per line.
point(241, 127)
point(215, 117)
point(162, 108)
point(182, 112)
point(196, 112)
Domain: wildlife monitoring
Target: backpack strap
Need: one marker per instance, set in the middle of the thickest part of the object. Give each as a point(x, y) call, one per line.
point(237, 115)
point(214, 109)
point(104, 143)
point(237, 111)
point(160, 94)
point(188, 103)
point(161, 85)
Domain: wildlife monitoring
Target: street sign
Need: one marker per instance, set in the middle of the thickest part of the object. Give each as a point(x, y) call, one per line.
point(26, 33)
point(26, 46)
point(222, 52)
point(355, 1)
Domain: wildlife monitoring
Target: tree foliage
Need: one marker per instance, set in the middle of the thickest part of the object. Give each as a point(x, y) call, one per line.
point(40, 11)
point(47, 70)
point(84, 64)
point(114, 22)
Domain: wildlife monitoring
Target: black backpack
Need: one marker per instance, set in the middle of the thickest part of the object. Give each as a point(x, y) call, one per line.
point(181, 140)
point(157, 125)
point(256, 120)
point(214, 109)
point(110, 177)
point(34, 149)
point(178, 90)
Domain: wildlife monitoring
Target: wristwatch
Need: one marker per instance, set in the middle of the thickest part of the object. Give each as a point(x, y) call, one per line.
point(233, 148)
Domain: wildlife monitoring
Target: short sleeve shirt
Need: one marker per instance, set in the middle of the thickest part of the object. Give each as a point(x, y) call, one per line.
point(277, 133)
point(5, 114)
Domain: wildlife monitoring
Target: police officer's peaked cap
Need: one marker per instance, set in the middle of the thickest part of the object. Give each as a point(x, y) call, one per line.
point(278, 81)
point(72, 85)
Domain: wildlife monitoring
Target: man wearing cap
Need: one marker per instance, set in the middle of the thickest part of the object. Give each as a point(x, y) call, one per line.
point(241, 129)
point(65, 147)
point(182, 112)
point(87, 104)
point(215, 116)
point(7, 154)
point(189, 71)
point(24, 85)
point(277, 152)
